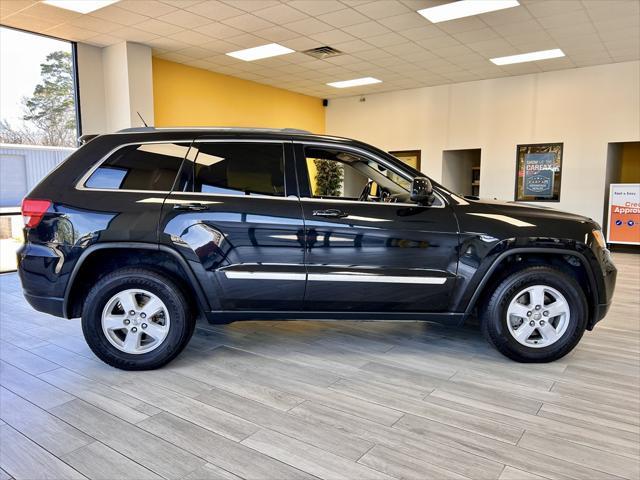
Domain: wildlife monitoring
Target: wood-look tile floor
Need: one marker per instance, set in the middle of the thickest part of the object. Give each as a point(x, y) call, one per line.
point(347, 400)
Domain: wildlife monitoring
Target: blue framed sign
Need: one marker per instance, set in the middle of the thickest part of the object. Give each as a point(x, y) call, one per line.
point(539, 171)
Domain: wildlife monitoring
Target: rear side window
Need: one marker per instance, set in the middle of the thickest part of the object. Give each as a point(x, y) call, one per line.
point(239, 168)
point(152, 166)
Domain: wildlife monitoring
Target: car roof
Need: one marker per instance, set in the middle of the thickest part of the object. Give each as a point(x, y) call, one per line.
point(215, 130)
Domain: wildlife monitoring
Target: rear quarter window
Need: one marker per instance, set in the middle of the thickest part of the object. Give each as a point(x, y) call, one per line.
point(151, 166)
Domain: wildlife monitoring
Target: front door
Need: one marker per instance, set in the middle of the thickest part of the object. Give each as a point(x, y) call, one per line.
point(235, 217)
point(369, 249)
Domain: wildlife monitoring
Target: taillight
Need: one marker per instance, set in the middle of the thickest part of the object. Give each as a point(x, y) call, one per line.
point(33, 211)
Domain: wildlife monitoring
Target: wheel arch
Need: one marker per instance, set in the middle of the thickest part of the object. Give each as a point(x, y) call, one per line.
point(158, 258)
point(581, 271)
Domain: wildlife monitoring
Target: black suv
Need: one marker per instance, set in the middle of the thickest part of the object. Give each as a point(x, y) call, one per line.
point(142, 231)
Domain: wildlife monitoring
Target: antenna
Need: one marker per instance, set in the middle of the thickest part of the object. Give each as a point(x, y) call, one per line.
point(145, 123)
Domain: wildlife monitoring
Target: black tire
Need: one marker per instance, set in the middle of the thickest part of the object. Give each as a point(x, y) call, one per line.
point(180, 330)
point(493, 315)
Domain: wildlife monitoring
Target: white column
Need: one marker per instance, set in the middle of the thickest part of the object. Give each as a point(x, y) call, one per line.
point(115, 83)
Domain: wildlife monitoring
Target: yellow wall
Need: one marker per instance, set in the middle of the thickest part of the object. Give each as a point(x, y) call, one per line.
point(630, 163)
point(188, 96)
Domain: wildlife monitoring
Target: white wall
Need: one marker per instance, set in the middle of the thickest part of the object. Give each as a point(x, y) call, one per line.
point(585, 108)
point(115, 83)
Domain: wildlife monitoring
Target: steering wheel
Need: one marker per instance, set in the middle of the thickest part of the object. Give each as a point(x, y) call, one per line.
point(366, 191)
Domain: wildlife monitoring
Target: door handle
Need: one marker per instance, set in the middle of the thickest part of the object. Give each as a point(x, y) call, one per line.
point(196, 207)
point(330, 213)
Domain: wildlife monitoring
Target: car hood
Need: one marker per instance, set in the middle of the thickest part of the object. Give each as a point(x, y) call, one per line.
point(509, 219)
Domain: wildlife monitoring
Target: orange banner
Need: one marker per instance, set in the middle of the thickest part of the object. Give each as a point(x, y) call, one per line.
point(624, 213)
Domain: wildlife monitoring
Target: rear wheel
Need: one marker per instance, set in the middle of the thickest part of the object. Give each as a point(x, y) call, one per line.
point(136, 319)
point(537, 314)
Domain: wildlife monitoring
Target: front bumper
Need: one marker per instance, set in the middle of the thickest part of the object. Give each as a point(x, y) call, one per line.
point(50, 305)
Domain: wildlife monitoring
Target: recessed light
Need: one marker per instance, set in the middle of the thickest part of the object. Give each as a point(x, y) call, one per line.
point(528, 57)
point(263, 51)
point(80, 6)
point(355, 82)
point(464, 8)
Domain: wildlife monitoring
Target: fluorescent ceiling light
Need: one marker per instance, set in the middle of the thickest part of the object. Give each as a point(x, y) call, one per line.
point(464, 8)
point(355, 82)
point(528, 57)
point(263, 51)
point(80, 6)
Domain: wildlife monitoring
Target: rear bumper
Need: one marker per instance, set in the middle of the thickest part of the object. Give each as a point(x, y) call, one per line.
point(50, 305)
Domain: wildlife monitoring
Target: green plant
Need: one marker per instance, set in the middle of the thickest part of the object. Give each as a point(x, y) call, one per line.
point(329, 178)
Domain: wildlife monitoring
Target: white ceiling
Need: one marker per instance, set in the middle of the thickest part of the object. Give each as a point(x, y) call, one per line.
point(386, 39)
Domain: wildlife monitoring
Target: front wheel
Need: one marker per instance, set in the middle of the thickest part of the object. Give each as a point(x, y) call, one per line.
point(537, 314)
point(136, 319)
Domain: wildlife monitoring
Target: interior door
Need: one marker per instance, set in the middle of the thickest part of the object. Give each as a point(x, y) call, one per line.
point(373, 254)
point(240, 219)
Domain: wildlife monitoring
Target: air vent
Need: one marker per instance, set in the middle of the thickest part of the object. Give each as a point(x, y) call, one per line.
point(322, 52)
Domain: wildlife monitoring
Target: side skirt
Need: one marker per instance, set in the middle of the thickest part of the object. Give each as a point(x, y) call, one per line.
point(222, 317)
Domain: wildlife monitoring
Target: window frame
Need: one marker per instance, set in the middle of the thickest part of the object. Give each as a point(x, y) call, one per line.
point(81, 184)
point(304, 184)
point(290, 189)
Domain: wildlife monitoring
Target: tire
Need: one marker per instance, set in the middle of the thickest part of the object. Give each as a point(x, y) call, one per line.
point(502, 328)
point(109, 344)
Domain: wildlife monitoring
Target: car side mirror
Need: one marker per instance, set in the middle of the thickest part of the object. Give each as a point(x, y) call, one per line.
point(422, 191)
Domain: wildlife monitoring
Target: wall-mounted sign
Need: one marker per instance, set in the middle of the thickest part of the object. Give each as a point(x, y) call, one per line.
point(539, 170)
point(624, 213)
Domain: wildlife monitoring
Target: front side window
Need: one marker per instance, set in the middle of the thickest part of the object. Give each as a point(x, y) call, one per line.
point(338, 174)
point(152, 166)
point(239, 168)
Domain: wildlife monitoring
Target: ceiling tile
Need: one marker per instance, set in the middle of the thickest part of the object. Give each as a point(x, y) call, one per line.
point(218, 30)
point(181, 3)
point(184, 19)
point(151, 8)
point(215, 10)
point(462, 25)
point(251, 5)
point(386, 40)
point(404, 21)
point(134, 35)
point(96, 24)
point(191, 37)
point(300, 43)
point(245, 40)
point(548, 9)
point(382, 9)
point(421, 33)
point(280, 14)
point(194, 52)
point(8, 8)
point(308, 26)
point(276, 34)
point(352, 46)
point(69, 32)
point(331, 37)
point(116, 14)
point(48, 12)
point(476, 35)
point(158, 27)
point(366, 29)
point(247, 22)
point(167, 44)
point(343, 18)
point(103, 40)
point(315, 7)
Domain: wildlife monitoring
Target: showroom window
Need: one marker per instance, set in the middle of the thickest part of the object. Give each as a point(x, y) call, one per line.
point(39, 125)
point(239, 168)
point(152, 166)
point(340, 174)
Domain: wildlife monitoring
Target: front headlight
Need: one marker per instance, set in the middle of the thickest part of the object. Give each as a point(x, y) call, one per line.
point(599, 237)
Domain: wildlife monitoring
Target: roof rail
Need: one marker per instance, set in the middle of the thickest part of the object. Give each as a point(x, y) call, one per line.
point(231, 129)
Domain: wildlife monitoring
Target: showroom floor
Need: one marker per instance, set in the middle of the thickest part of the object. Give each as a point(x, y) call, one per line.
point(321, 399)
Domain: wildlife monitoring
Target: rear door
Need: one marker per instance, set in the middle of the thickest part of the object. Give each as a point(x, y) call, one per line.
point(235, 214)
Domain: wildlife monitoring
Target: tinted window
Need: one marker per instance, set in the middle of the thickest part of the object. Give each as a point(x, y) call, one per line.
point(339, 174)
point(239, 168)
point(140, 167)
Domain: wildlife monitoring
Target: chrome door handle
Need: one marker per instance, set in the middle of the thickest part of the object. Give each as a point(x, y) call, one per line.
point(196, 207)
point(330, 213)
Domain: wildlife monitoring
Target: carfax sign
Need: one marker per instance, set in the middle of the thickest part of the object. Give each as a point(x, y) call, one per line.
point(624, 213)
point(538, 174)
